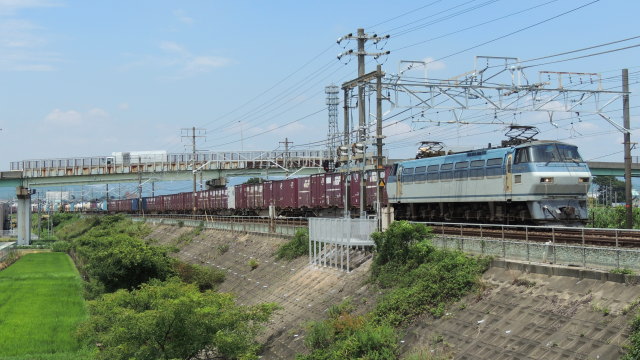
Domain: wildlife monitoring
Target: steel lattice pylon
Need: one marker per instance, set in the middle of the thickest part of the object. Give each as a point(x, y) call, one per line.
point(333, 101)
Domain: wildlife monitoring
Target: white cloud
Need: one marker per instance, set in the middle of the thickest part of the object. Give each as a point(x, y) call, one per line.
point(182, 16)
point(185, 63)
point(10, 7)
point(123, 106)
point(202, 64)
point(172, 47)
point(432, 65)
point(22, 41)
point(74, 118)
point(58, 117)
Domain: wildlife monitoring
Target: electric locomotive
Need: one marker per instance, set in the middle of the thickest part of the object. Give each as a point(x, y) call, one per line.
point(538, 182)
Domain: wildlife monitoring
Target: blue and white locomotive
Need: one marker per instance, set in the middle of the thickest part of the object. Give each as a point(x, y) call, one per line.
point(541, 182)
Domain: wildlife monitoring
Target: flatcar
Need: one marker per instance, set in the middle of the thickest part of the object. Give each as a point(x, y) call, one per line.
point(541, 182)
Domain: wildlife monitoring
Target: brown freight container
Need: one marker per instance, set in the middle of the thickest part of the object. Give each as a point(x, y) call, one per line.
point(268, 194)
point(354, 191)
point(304, 192)
point(287, 194)
point(319, 190)
point(334, 184)
point(241, 197)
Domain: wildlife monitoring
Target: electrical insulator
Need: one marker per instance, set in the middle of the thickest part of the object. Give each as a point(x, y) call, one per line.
point(343, 150)
point(357, 148)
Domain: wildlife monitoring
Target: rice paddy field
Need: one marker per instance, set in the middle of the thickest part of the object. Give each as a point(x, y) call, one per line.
point(40, 306)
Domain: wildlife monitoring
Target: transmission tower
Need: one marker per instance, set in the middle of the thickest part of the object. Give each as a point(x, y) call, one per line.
point(332, 108)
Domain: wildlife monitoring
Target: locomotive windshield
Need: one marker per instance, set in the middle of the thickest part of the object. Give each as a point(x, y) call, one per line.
point(554, 153)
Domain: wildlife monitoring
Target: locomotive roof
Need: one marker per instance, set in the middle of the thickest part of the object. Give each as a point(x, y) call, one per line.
point(482, 152)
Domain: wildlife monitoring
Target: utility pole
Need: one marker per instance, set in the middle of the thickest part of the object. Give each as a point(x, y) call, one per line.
point(286, 143)
point(139, 186)
point(379, 166)
point(627, 149)
point(362, 38)
point(193, 137)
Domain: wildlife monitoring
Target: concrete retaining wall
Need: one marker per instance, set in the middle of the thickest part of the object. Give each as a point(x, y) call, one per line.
point(260, 228)
point(545, 253)
point(6, 248)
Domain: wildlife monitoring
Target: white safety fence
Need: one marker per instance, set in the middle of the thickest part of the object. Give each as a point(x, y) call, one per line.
point(332, 241)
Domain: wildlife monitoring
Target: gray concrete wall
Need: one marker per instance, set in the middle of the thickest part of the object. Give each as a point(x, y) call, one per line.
point(6, 248)
point(544, 253)
point(260, 228)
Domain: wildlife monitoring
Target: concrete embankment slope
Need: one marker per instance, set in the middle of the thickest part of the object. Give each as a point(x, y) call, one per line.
point(519, 315)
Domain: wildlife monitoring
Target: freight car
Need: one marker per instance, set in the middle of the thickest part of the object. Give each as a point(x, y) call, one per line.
point(315, 195)
point(542, 182)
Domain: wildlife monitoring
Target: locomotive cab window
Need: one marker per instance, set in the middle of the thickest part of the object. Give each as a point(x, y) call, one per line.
point(556, 153)
point(522, 156)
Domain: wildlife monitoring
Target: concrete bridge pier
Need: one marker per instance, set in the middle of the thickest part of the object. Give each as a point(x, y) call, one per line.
point(24, 215)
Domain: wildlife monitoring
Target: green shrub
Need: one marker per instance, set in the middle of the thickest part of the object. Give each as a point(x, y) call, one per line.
point(205, 278)
point(415, 277)
point(61, 246)
point(172, 320)
point(419, 276)
point(623, 271)
point(296, 247)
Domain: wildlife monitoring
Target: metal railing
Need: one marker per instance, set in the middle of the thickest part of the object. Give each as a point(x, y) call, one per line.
point(553, 251)
point(170, 162)
point(331, 240)
point(252, 224)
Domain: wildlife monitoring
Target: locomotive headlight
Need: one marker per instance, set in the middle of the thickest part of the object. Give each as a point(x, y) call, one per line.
point(583, 180)
point(546, 180)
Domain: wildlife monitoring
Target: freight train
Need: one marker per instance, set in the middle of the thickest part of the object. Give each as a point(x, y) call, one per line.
point(535, 182)
point(315, 195)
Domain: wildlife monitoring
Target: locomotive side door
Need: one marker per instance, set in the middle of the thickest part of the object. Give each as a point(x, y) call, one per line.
point(508, 178)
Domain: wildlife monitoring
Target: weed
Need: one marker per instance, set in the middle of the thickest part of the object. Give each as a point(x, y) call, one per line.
point(601, 309)
point(623, 271)
point(632, 305)
point(180, 223)
point(296, 247)
point(253, 264)
point(524, 282)
point(223, 248)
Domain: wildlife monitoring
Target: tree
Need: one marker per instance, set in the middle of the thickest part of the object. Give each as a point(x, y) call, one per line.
point(123, 262)
point(610, 189)
point(254, 180)
point(172, 320)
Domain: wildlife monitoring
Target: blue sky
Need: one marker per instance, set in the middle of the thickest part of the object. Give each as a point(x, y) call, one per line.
point(88, 78)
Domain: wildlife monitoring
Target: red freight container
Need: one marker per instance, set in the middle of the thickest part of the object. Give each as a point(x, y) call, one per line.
point(254, 196)
point(287, 193)
point(219, 199)
point(318, 190)
point(304, 192)
point(268, 193)
point(241, 197)
point(354, 190)
point(372, 185)
point(152, 204)
point(334, 184)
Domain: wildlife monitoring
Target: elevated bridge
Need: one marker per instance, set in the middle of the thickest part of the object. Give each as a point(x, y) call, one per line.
point(599, 168)
point(111, 169)
point(28, 174)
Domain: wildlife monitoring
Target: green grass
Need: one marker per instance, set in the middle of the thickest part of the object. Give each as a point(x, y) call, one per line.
point(40, 307)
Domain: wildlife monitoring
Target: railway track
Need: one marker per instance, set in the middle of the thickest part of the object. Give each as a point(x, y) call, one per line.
point(559, 235)
point(574, 236)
